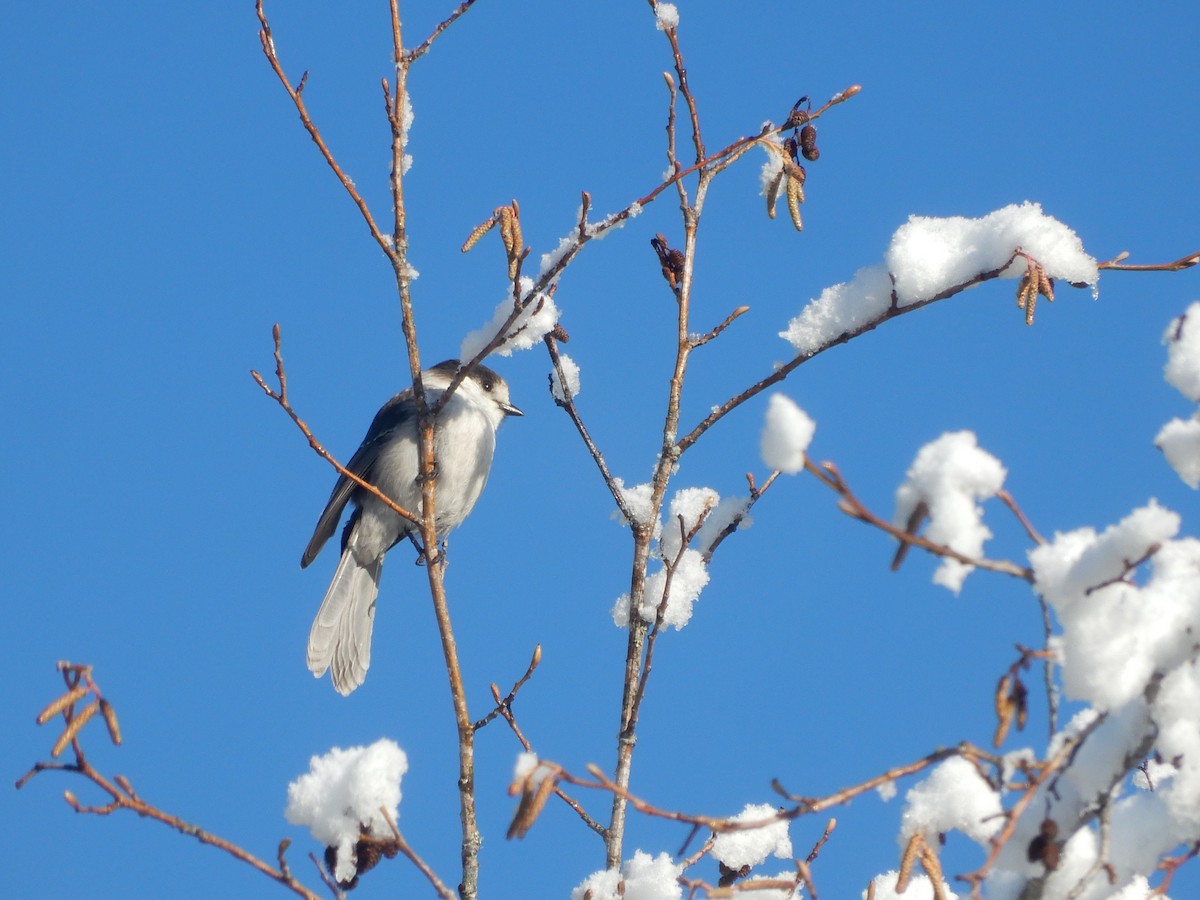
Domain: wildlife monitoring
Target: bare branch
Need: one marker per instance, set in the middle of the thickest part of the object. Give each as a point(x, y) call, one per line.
point(296, 94)
point(1185, 262)
point(423, 48)
point(398, 839)
point(121, 795)
point(281, 398)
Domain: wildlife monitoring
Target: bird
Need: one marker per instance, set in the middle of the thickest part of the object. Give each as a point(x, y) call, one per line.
point(464, 443)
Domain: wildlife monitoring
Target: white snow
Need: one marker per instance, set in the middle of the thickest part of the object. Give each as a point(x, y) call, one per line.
point(722, 515)
point(534, 323)
point(526, 763)
point(751, 846)
point(600, 230)
point(756, 893)
point(637, 501)
point(954, 796)
point(570, 370)
point(1175, 711)
point(641, 878)
point(690, 573)
point(949, 476)
point(930, 256)
point(786, 435)
point(688, 504)
point(841, 309)
point(666, 16)
point(1138, 889)
point(1126, 600)
point(342, 795)
point(688, 579)
point(552, 258)
point(773, 167)
point(919, 888)
point(1115, 634)
point(1179, 439)
point(1182, 338)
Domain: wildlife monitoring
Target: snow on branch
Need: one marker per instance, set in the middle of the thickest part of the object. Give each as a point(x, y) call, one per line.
point(932, 258)
point(347, 794)
point(944, 484)
point(514, 326)
point(1179, 439)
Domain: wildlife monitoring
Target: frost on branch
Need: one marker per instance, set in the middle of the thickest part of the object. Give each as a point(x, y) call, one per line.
point(535, 321)
point(642, 878)
point(930, 256)
point(752, 846)
point(786, 435)
point(944, 483)
point(1179, 439)
point(342, 795)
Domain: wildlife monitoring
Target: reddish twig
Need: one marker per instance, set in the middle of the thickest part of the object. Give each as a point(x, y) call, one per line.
point(507, 702)
point(1007, 499)
point(893, 311)
point(281, 397)
point(828, 474)
point(122, 795)
point(1117, 263)
point(422, 48)
point(423, 867)
point(296, 94)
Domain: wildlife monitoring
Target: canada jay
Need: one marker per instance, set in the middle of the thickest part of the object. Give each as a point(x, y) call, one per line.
point(464, 440)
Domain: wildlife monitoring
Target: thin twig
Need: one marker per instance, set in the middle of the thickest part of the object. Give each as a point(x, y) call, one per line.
point(816, 850)
point(281, 398)
point(504, 710)
point(1007, 499)
point(569, 406)
point(736, 521)
point(893, 311)
point(121, 797)
point(828, 474)
point(507, 702)
point(1053, 766)
point(268, 46)
point(673, 36)
point(1185, 262)
point(423, 867)
point(422, 48)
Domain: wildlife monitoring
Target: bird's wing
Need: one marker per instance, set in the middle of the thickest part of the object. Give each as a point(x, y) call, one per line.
point(396, 411)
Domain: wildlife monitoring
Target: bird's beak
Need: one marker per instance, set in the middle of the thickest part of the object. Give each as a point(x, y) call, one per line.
point(509, 410)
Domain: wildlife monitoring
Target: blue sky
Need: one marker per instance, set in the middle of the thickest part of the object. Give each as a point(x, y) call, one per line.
point(163, 208)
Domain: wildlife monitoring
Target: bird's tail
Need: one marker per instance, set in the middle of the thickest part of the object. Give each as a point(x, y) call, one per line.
point(340, 638)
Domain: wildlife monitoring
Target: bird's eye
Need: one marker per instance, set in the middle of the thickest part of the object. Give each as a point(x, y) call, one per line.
point(488, 385)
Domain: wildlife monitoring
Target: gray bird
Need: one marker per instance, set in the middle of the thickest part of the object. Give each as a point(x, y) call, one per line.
point(464, 441)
